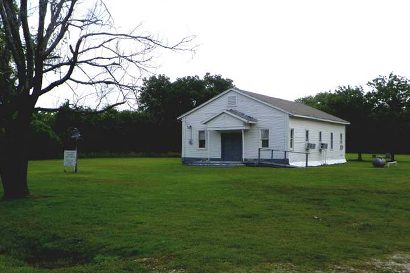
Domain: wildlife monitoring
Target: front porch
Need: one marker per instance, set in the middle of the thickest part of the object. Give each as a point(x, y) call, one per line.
point(226, 135)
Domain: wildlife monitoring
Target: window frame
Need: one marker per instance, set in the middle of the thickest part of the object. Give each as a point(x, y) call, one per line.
point(199, 139)
point(292, 138)
point(264, 139)
point(331, 141)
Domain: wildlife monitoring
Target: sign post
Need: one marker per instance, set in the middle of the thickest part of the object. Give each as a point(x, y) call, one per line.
point(71, 156)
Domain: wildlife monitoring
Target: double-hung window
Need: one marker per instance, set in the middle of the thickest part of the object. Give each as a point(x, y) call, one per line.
point(264, 138)
point(201, 139)
point(292, 138)
point(331, 141)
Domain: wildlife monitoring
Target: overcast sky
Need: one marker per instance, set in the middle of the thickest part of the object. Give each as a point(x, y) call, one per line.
point(286, 49)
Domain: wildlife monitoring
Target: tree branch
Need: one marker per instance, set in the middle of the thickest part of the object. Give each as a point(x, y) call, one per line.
point(55, 110)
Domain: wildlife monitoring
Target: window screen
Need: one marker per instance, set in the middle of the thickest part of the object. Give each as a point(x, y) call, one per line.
point(201, 139)
point(292, 138)
point(265, 138)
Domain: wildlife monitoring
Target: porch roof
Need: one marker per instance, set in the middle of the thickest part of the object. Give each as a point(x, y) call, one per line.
point(235, 114)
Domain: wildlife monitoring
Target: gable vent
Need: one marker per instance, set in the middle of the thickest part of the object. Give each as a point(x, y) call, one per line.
point(231, 101)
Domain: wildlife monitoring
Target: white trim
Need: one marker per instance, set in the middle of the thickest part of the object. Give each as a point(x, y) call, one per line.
point(321, 119)
point(237, 91)
point(291, 139)
point(228, 128)
point(230, 114)
point(206, 144)
point(260, 137)
point(243, 145)
point(265, 103)
point(209, 143)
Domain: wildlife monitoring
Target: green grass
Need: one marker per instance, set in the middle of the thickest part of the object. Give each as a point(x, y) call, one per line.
point(156, 215)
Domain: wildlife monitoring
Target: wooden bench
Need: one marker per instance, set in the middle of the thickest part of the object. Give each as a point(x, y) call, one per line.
point(391, 163)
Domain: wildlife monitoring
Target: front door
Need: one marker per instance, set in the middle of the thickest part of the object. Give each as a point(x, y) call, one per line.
point(231, 144)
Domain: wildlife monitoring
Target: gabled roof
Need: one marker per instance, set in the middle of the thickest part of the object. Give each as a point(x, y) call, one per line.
point(246, 117)
point(292, 108)
point(296, 108)
point(234, 113)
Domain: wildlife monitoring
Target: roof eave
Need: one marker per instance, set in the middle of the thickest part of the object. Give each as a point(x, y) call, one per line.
point(325, 120)
point(228, 113)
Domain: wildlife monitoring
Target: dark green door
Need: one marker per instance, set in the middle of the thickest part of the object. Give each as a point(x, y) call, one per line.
point(231, 146)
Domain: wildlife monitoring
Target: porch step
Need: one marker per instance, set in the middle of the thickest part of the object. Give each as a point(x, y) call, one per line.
point(217, 163)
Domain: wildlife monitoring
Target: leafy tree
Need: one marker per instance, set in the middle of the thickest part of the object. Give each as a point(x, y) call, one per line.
point(390, 97)
point(390, 101)
point(163, 99)
point(60, 42)
point(349, 103)
point(380, 118)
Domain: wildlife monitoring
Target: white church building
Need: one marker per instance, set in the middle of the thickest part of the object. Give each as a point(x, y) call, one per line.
point(241, 126)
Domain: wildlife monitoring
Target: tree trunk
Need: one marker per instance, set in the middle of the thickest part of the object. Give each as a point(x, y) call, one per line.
point(359, 156)
point(14, 152)
point(13, 172)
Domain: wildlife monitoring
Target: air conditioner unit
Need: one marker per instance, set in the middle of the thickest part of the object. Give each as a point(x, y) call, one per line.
point(310, 146)
point(323, 146)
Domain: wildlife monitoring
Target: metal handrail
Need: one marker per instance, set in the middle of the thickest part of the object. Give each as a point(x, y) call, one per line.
point(284, 151)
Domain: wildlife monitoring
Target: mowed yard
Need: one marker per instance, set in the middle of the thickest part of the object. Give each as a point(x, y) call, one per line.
point(156, 215)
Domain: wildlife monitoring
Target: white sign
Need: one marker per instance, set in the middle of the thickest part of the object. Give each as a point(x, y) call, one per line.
point(70, 158)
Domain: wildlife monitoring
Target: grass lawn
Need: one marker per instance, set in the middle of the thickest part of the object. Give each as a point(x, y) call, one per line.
point(156, 215)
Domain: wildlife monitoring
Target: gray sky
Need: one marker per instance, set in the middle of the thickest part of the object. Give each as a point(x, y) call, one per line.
point(286, 49)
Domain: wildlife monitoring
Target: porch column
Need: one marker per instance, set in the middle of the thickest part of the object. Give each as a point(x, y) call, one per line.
point(243, 145)
point(209, 145)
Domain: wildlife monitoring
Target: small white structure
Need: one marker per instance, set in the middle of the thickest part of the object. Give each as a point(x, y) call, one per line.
point(243, 126)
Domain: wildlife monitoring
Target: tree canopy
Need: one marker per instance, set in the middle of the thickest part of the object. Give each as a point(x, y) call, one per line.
point(380, 118)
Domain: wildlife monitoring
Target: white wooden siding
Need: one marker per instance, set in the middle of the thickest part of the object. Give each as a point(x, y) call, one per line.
point(317, 157)
point(225, 121)
point(268, 118)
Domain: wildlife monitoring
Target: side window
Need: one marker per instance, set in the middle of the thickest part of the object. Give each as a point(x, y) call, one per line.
point(307, 135)
point(264, 138)
point(320, 137)
point(331, 141)
point(201, 139)
point(292, 138)
point(341, 141)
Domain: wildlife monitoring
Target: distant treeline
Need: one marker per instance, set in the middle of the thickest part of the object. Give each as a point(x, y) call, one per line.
point(380, 118)
point(153, 129)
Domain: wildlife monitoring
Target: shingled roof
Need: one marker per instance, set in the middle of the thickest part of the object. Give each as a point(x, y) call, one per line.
point(294, 108)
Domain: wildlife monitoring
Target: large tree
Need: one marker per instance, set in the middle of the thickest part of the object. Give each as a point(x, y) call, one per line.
point(380, 118)
point(165, 100)
point(50, 43)
point(351, 104)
